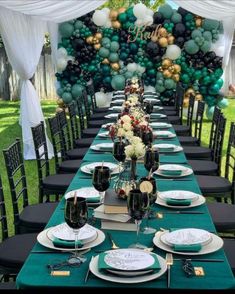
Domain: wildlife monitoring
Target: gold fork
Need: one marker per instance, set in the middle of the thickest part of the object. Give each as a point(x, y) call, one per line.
point(169, 262)
point(114, 246)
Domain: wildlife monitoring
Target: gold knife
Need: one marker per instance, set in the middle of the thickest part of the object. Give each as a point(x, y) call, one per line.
point(169, 262)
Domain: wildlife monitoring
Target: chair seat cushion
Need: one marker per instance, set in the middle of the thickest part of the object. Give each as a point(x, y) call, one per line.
point(90, 133)
point(77, 153)
point(203, 167)
point(223, 216)
point(213, 184)
point(84, 142)
point(37, 215)
point(197, 152)
point(95, 123)
point(7, 285)
point(101, 109)
point(58, 183)
point(182, 130)
point(97, 116)
point(174, 119)
point(170, 112)
point(229, 248)
point(70, 166)
point(169, 108)
point(188, 140)
point(15, 250)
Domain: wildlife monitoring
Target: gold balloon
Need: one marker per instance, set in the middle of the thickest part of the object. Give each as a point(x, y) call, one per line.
point(162, 32)
point(186, 102)
point(89, 40)
point(166, 63)
point(105, 61)
point(198, 97)
point(163, 42)
point(177, 68)
point(116, 24)
point(113, 14)
point(198, 22)
point(190, 91)
point(154, 38)
point(60, 102)
point(167, 73)
point(160, 68)
point(95, 41)
point(176, 77)
point(121, 10)
point(171, 40)
point(115, 66)
point(98, 36)
point(97, 46)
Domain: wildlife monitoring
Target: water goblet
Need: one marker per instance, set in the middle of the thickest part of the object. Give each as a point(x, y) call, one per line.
point(76, 215)
point(151, 160)
point(101, 180)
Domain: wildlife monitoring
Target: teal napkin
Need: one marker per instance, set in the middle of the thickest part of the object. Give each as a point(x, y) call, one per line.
point(155, 115)
point(102, 265)
point(166, 149)
point(106, 148)
point(162, 136)
point(187, 248)
point(175, 202)
point(65, 244)
point(171, 172)
point(93, 199)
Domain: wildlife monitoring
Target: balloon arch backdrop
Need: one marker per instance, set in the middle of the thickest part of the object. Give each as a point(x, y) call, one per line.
point(162, 47)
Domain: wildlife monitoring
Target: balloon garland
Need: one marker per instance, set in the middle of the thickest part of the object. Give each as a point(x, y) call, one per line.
point(162, 47)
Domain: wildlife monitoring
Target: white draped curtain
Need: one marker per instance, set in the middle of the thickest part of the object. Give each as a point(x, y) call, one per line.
point(23, 25)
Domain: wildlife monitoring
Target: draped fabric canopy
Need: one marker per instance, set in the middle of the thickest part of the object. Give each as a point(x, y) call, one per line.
point(23, 25)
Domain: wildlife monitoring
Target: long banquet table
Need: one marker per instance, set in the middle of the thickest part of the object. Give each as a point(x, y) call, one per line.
point(218, 275)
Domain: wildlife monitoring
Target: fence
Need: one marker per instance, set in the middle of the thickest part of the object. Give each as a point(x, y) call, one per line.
point(44, 78)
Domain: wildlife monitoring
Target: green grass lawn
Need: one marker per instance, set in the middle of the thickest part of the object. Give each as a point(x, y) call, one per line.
point(10, 129)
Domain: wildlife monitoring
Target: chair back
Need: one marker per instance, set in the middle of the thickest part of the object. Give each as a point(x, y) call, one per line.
point(179, 101)
point(65, 131)
point(198, 121)
point(3, 216)
point(190, 112)
point(214, 127)
point(74, 124)
point(86, 104)
point(57, 142)
point(17, 179)
point(217, 151)
point(81, 113)
point(91, 93)
point(41, 151)
point(230, 159)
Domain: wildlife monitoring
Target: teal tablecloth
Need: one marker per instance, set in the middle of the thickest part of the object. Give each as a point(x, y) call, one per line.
point(218, 275)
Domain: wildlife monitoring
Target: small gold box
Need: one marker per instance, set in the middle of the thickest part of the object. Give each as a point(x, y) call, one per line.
point(60, 273)
point(199, 271)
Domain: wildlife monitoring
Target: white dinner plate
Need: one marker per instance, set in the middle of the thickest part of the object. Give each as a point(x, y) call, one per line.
point(186, 171)
point(88, 168)
point(106, 126)
point(62, 231)
point(201, 200)
point(112, 115)
point(117, 101)
point(127, 279)
point(165, 148)
point(104, 135)
point(45, 239)
point(85, 192)
point(156, 107)
point(178, 195)
point(160, 125)
point(188, 236)
point(163, 134)
point(157, 115)
point(153, 100)
point(102, 147)
point(116, 108)
point(215, 244)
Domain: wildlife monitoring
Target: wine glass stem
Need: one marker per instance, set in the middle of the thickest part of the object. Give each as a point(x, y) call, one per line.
point(137, 222)
point(102, 196)
point(76, 243)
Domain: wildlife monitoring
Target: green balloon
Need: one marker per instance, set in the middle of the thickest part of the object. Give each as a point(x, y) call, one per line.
point(169, 84)
point(166, 10)
point(114, 46)
point(118, 82)
point(220, 82)
point(160, 89)
point(210, 24)
point(60, 92)
point(223, 103)
point(206, 46)
point(66, 29)
point(196, 33)
point(113, 57)
point(176, 17)
point(207, 36)
point(128, 75)
point(103, 52)
point(191, 47)
point(122, 17)
point(106, 42)
point(77, 91)
point(67, 97)
point(106, 69)
point(210, 112)
point(78, 24)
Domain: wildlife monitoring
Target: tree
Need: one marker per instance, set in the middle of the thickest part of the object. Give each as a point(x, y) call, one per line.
point(115, 4)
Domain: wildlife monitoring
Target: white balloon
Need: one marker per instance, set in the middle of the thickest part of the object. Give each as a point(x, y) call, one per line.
point(149, 12)
point(173, 52)
point(108, 24)
point(103, 99)
point(61, 64)
point(61, 52)
point(106, 10)
point(139, 10)
point(99, 18)
point(70, 58)
point(141, 69)
point(148, 20)
point(132, 67)
point(139, 22)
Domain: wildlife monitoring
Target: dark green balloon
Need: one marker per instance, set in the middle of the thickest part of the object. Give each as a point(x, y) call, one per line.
point(67, 97)
point(66, 29)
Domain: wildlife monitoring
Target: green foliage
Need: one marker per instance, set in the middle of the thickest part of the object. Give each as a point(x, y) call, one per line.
point(115, 4)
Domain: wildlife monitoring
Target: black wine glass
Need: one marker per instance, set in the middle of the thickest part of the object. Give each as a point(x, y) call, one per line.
point(151, 160)
point(147, 137)
point(137, 203)
point(101, 180)
point(119, 151)
point(76, 215)
point(148, 107)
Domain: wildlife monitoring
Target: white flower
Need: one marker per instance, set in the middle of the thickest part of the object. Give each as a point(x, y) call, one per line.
point(127, 126)
point(130, 151)
point(126, 119)
point(129, 135)
point(139, 149)
point(121, 132)
point(135, 140)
